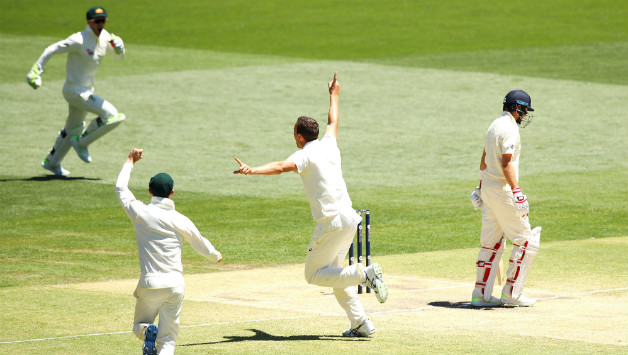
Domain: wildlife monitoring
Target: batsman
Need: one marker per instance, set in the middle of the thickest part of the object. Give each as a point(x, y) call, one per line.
point(504, 208)
point(85, 50)
point(319, 165)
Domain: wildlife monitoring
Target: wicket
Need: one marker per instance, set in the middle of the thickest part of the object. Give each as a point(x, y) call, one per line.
point(366, 218)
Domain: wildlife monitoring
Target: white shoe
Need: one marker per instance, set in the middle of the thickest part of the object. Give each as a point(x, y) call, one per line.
point(83, 153)
point(480, 302)
point(362, 331)
point(57, 170)
point(521, 301)
point(375, 282)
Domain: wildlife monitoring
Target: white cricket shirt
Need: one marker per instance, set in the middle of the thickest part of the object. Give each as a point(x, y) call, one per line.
point(319, 166)
point(502, 137)
point(85, 51)
point(160, 231)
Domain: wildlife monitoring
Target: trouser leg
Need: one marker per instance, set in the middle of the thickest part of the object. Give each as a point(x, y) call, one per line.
point(165, 302)
point(107, 118)
point(323, 267)
point(490, 254)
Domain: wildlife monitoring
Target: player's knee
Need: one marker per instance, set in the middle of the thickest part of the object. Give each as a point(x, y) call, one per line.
point(309, 276)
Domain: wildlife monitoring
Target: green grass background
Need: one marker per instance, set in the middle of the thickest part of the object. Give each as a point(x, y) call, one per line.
point(206, 80)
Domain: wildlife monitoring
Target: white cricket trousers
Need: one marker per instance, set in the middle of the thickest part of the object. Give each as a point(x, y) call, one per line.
point(499, 218)
point(323, 265)
point(82, 100)
point(165, 302)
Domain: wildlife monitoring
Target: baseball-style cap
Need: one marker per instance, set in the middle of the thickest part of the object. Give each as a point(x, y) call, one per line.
point(161, 185)
point(519, 97)
point(96, 12)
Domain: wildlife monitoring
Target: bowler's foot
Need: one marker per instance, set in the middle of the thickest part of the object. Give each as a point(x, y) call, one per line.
point(375, 282)
point(361, 331)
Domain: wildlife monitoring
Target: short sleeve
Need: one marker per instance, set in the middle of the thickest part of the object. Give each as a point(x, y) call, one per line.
point(301, 160)
point(509, 142)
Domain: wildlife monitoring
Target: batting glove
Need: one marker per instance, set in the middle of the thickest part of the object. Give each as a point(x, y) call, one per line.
point(117, 44)
point(521, 202)
point(34, 76)
point(476, 200)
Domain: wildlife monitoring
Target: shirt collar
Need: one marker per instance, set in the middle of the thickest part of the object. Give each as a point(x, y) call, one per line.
point(308, 143)
point(512, 118)
point(90, 31)
point(162, 202)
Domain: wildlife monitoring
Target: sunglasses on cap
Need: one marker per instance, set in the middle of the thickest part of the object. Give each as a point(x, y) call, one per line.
point(99, 20)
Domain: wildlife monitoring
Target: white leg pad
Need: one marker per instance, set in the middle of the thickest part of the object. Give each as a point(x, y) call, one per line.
point(520, 262)
point(489, 258)
point(98, 128)
point(62, 145)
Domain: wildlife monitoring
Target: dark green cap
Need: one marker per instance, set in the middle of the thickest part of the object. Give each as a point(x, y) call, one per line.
point(96, 12)
point(161, 185)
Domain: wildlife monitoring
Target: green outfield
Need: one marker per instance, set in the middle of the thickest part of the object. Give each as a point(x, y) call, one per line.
point(204, 81)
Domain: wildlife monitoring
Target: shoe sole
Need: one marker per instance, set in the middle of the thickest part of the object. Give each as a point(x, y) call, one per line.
point(381, 290)
point(483, 303)
point(149, 347)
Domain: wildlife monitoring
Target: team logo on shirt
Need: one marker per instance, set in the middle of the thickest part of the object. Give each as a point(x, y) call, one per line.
point(89, 51)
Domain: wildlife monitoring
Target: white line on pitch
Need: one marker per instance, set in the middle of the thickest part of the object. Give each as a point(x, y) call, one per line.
point(580, 294)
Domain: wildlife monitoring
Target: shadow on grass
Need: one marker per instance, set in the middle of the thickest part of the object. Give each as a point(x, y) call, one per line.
point(460, 305)
point(263, 336)
point(51, 178)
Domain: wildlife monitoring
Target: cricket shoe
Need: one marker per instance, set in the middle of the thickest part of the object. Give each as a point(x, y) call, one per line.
point(363, 330)
point(375, 282)
point(57, 170)
point(83, 153)
point(480, 302)
point(150, 348)
point(521, 301)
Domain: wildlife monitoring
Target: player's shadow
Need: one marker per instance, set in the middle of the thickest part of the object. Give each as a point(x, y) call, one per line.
point(263, 336)
point(461, 305)
point(52, 177)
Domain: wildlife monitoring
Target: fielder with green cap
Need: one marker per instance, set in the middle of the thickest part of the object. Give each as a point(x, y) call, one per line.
point(159, 232)
point(85, 50)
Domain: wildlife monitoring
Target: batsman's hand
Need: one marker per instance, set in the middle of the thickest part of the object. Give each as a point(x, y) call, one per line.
point(244, 169)
point(33, 78)
point(476, 200)
point(135, 155)
point(521, 202)
point(117, 44)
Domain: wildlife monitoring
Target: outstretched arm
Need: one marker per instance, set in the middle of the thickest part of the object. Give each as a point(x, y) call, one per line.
point(273, 168)
point(332, 118)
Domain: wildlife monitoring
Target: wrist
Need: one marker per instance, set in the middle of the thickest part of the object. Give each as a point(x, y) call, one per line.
point(516, 189)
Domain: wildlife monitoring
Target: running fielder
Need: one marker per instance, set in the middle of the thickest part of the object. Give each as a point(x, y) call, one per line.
point(504, 208)
point(318, 163)
point(85, 51)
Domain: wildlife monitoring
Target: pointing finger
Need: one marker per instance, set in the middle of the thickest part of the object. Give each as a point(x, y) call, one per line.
point(238, 160)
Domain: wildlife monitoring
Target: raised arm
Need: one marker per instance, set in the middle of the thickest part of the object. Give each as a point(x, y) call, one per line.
point(332, 118)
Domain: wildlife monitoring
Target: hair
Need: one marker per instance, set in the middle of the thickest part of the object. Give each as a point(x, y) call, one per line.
point(307, 127)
